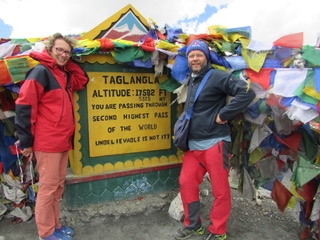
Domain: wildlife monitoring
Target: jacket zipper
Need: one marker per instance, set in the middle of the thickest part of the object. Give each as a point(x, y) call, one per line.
point(66, 89)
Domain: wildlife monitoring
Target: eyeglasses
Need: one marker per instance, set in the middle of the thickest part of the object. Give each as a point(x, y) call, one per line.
point(61, 51)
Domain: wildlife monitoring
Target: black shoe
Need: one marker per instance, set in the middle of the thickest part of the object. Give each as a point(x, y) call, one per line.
point(212, 236)
point(185, 233)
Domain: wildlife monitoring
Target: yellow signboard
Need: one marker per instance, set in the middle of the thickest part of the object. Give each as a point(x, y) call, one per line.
point(127, 113)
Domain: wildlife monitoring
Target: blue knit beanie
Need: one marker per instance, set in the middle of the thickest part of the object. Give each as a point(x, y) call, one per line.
point(198, 45)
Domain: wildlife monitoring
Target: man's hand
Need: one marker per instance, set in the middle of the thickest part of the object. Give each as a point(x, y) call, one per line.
point(218, 120)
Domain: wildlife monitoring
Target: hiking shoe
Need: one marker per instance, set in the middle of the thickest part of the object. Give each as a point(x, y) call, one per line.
point(185, 233)
point(66, 230)
point(57, 235)
point(212, 236)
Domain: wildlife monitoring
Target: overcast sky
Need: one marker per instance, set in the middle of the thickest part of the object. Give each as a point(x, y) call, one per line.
point(269, 19)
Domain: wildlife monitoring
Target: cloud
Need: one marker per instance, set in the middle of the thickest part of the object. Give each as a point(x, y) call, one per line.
point(269, 19)
point(39, 18)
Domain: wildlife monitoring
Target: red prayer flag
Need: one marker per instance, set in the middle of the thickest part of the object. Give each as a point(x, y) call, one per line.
point(291, 141)
point(274, 100)
point(148, 44)
point(262, 77)
point(14, 149)
point(281, 195)
point(290, 41)
point(308, 190)
point(203, 37)
point(106, 44)
point(160, 35)
point(5, 77)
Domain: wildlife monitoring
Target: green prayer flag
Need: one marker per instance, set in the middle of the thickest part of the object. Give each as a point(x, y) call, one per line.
point(255, 156)
point(308, 82)
point(87, 51)
point(127, 53)
point(170, 84)
point(311, 54)
point(17, 68)
point(304, 170)
point(229, 47)
point(19, 41)
point(310, 144)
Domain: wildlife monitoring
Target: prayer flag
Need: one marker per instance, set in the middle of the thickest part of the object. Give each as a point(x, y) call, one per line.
point(281, 195)
point(290, 41)
point(304, 171)
point(262, 77)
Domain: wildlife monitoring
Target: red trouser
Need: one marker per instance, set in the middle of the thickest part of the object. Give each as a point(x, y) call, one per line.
point(52, 168)
point(195, 164)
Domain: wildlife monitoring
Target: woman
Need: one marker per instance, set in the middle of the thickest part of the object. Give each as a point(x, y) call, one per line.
point(45, 126)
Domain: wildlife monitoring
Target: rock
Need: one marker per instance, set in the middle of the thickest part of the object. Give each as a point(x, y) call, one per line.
point(205, 192)
point(176, 208)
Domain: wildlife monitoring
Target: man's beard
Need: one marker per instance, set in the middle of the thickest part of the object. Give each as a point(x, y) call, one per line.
point(197, 71)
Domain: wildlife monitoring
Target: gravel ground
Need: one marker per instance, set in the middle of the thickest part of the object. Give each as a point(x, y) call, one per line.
point(147, 218)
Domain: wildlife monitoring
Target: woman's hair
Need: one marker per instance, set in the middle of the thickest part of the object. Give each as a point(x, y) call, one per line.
point(56, 36)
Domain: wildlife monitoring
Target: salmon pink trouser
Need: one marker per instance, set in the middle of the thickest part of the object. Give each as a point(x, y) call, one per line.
point(195, 165)
point(52, 169)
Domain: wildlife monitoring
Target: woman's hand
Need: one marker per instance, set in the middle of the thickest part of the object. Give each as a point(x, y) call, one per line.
point(27, 151)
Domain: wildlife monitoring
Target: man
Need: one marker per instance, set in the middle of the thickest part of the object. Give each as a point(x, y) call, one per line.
point(209, 142)
point(45, 126)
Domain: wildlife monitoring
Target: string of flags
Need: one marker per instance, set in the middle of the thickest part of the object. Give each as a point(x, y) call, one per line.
point(276, 139)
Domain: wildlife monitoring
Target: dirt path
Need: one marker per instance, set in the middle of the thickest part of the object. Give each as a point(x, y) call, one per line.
point(148, 219)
